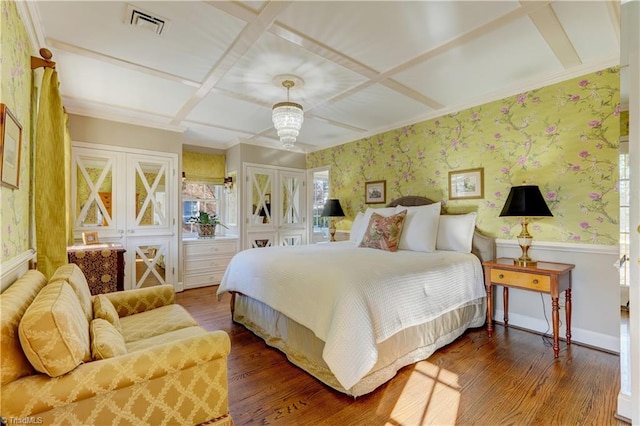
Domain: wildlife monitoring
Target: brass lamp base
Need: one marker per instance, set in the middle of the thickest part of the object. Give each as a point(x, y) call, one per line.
point(332, 230)
point(524, 240)
point(525, 262)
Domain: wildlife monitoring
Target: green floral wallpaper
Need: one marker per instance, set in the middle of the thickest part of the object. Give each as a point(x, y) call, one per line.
point(562, 137)
point(16, 94)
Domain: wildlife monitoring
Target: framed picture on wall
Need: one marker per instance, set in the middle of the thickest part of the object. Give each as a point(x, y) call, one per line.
point(375, 192)
point(466, 184)
point(10, 146)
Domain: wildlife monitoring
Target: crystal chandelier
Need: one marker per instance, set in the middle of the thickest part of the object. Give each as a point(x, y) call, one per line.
point(287, 118)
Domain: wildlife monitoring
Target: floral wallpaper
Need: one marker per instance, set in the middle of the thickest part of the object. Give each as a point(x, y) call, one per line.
point(16, 94)
point(563, 138)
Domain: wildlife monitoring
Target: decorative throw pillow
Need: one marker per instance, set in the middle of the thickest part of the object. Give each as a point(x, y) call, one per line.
point(384, 211)
point(455, 232)
point(103, 308)
point(54, 332)
point(384, 233)
point(73, 275)
point(420, 229)
point(106, 340)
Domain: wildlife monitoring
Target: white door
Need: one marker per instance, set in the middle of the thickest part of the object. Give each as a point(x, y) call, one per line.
point(129, 197)
point(630, 58)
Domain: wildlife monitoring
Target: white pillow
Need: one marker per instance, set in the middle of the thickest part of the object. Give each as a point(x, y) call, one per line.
point(420, 230)
point(385, 211)
point(356, 225)
point(455, 232)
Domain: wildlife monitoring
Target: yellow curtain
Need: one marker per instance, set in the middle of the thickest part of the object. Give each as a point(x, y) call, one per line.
point(52, 178)
point(203, 168)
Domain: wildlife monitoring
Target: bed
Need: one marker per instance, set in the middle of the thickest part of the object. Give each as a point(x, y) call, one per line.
point(353, 316)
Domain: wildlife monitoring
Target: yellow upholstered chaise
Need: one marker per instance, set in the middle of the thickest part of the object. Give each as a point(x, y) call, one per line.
point(131, 357)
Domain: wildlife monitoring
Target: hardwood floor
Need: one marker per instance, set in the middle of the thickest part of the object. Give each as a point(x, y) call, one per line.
point(511, 378)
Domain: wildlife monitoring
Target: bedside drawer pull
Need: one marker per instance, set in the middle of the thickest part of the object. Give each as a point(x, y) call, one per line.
point(535, 281)
point(501, 276)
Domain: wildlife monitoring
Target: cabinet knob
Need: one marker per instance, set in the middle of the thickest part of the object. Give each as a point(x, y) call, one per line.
point(501, 276)
point(535, 281)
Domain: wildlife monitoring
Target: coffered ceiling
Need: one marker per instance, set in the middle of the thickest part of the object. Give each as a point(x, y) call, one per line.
point(367, 66)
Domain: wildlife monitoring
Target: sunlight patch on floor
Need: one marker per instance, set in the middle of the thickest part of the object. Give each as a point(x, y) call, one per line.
point(430, 396)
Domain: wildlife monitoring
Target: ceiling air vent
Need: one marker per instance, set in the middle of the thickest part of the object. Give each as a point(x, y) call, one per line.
point(145, 20)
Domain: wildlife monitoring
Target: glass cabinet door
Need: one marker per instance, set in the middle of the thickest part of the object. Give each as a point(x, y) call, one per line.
point(148, 203)
point(292, 197)
point(260, 196)
point(95, 192)
point(149, 261)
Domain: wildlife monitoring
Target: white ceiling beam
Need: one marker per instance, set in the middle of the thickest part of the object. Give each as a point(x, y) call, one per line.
point(550, 28)
point(613, 7)
point(245, 40)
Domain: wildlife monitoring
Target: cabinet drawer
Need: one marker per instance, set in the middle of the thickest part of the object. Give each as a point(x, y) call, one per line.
point(521, 279)
point(201, 280)
point(206, 264)
point(204, 249)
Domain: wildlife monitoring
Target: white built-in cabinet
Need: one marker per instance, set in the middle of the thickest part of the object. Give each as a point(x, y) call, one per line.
point(129, 196)
point(274, 206)
point(206, 260)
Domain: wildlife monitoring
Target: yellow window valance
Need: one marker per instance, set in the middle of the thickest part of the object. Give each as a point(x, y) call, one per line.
point(203, 168)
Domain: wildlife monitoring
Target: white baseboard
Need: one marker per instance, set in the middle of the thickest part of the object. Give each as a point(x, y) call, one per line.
point(624, 407)
point(179, 287)
point(586, 337)
point(14, 268)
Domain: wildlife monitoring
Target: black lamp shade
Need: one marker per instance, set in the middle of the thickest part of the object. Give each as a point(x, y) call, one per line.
point(525, 200)
point(332, 208)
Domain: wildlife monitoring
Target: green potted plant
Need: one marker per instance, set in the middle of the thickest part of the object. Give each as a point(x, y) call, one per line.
point(207, 224)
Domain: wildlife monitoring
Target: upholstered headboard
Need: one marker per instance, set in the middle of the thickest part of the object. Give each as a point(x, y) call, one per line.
point(482, 246)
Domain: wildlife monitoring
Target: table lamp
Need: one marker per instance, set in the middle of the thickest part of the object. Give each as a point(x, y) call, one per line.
point(332, 208)
point(525, 201)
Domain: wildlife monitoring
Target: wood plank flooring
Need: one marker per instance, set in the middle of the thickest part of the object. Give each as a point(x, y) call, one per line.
point(511, 378)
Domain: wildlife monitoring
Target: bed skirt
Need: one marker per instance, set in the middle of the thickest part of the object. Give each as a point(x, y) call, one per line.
point(304, 349)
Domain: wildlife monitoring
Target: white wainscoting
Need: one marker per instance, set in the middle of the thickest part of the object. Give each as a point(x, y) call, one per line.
point(595, 319)
point(14, 268)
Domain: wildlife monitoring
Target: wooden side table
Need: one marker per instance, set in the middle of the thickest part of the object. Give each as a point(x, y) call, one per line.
point(545, 277)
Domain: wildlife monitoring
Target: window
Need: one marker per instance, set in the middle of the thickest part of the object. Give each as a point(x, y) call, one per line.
point(198, 197)
point(320, 195)
point(625, 237)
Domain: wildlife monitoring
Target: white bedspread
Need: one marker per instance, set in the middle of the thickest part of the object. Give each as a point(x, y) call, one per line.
point(352, 297)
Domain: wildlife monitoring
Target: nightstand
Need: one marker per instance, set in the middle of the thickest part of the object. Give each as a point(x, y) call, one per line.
point(545, 277)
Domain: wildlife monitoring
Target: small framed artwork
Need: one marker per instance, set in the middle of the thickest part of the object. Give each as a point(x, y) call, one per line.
point(90, 238)
point(466, 184)
point(375, 192)
point(10, 146)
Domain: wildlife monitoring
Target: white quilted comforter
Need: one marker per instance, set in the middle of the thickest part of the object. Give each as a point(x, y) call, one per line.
point(353, 298)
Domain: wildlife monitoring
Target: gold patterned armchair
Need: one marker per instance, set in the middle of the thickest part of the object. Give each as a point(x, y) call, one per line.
point(131, 357)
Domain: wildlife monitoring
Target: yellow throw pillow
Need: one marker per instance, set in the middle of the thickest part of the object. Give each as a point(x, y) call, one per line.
point(54, 332)
point(106, 340)
point(72, 275)
point(103, 308)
